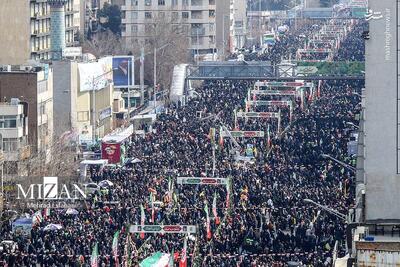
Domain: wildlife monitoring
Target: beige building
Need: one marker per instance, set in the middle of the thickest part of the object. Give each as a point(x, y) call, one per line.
point(202, 20)
point(31, 20)
point(240, 23)
point(77, 107)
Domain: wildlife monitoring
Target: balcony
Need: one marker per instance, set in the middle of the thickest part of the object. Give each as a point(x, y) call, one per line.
point(198, 31)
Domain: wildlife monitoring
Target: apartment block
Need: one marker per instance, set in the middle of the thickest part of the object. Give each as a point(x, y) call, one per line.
point(14, 135)
point(33, 86)
point(198, 19)
point(33, 26)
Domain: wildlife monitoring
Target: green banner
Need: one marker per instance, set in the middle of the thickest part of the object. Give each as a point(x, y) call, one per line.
point(352, 68)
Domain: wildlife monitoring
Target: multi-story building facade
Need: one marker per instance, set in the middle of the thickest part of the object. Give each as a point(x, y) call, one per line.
point(240, 23)
point(198, 19)
point(14, 136)
point(32, 85)
point(31, 20)
point(85, 112)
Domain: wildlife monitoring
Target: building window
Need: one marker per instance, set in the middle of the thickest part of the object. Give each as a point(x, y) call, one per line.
point(197, 2)
point(134, 15)
point(211, 27)
point(185, 2)
point(174, 2)
point(83, 115)
point(134, 2)
point(147, 2)
point(175, 15)
point(8, 122)
point(185, 15)
point(147, 15)
point(10, 144)
point(134, 28)
point(211, 13)
point(161, 2)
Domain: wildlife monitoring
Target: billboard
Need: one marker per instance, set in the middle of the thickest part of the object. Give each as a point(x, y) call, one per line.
point(123, 71)
point(91, 76)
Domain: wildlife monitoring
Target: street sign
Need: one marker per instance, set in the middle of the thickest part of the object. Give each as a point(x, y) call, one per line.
point(72, 52)
point(245, 134)
point(163, 229)
point(257, 115)
point(202, 180)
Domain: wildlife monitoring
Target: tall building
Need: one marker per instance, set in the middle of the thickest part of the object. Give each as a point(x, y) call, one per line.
point(78, 109)
point(33, 86)
point(203, 21)
point(32, 24)
point(240, 23)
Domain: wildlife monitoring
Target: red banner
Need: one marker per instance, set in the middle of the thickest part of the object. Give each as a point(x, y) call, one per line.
point(112, 152)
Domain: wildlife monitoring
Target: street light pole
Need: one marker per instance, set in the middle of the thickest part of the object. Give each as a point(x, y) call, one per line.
point(155, 77)
point(93, 117)
point(325, 208)
point(347, 166)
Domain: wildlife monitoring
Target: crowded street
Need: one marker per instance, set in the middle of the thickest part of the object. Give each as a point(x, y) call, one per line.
point(259, 217)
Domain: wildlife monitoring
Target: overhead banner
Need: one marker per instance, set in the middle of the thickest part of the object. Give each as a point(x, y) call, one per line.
point(282, 84)
point(163, 229)
point(245, 134)
point(257, 115)
point(123, 71)
point(279, 103)
point(273, 92)
point(202, 180)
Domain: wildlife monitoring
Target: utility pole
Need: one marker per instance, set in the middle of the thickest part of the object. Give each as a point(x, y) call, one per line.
point(142, 76)
point(129, 90)
point(155, 75)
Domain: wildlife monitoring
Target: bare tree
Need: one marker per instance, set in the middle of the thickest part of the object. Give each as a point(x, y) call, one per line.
point(169, 38)
point(104, 43)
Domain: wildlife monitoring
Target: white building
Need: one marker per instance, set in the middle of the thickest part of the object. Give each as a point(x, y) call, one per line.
point(240, 23)
point(13, 135)
point(203, 21)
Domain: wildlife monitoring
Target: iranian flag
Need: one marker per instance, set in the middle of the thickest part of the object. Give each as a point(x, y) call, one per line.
point(269, 143)
point(46, 212)
point(183, 260)
point(209, 235)
point(170, 189)
point(228, 193)
point(158, 259)
point(236, 122)
point(94, 259)
point(221, 138)
point(152, 207)
point(142, 219)
point(214, 209)
point(171, 259)
point(319, 88)
point(279, 121)
point(37, 218)
point(115, 247)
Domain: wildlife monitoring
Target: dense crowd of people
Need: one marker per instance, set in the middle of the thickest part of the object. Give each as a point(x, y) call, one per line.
point(264, 220)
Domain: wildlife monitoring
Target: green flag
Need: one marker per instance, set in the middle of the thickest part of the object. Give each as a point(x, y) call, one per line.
point(94, 259)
